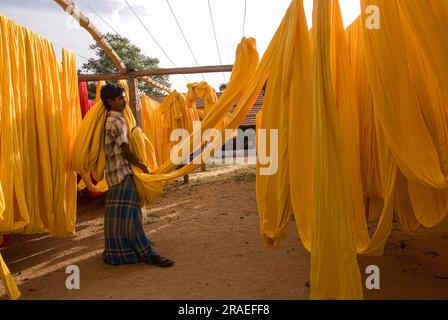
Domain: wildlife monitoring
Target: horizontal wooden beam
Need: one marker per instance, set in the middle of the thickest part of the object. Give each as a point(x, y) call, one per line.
point(153, 72)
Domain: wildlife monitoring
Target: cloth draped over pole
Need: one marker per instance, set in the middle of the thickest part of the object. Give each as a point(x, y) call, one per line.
point(362, 133)
point(89, 153)
point(40, 116)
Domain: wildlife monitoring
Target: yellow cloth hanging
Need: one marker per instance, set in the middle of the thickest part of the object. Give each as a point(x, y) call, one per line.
point(88, 155)
point(203, 91)
point(362, 149)
point(2, 202)
point(36, 135)
point(99, 85)
point(8, 281)
point(151, 120)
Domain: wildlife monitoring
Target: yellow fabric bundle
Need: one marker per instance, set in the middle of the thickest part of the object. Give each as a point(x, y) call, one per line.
point(8, 281)
point(344, 133)
point(203, 91)
point(151, 120)
point(99, 85)
point(88, 155)
point(40, 116)
point(41, 95)
point(173, 112)
point(2, 202)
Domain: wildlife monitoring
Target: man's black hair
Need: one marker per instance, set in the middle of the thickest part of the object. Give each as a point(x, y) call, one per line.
point(110, 91)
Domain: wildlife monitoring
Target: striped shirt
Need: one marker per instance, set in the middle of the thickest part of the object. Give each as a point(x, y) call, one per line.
point(117, 167)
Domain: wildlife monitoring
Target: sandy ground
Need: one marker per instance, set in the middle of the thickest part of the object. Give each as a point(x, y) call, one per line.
point(211, 229)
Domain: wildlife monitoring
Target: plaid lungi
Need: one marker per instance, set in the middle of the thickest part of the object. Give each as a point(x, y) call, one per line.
point(125, 238)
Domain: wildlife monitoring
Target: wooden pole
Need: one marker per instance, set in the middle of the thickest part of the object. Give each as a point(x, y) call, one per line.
point(154, 72)
point(134, 101)
point(155, 84)
point(69, 7)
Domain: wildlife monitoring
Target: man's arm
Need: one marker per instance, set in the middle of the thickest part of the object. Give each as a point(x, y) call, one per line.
point(129, 155)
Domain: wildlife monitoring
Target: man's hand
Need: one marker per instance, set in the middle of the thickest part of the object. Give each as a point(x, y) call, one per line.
point(144, 168)
point(128, 155)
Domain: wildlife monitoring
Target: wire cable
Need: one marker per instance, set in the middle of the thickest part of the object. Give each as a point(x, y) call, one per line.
point(244, 19)
point(152, 37)
point(61, 47)
point(99, 16)
point(216, 39)
point(183, 35)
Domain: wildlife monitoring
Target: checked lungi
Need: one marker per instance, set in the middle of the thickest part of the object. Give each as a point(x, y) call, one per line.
point(125, 238)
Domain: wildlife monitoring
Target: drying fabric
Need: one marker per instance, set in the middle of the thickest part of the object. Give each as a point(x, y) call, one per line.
point(151, 126)
point(361, 136)
point(8, 281)
point(2, 202)
point(203, 91)
point(99, 85)
point(38, 127)
point(360, 117)
point(89, 152)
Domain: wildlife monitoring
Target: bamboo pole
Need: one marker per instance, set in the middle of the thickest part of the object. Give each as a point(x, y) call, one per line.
point(154, 72)
point(70, 7)
point(155, 84)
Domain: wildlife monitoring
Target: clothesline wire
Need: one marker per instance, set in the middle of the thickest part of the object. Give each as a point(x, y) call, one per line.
point(61, 47)
point(216, 38)
point(99, 16)
point(244, 18)
point(152, 37)
point(183, 35)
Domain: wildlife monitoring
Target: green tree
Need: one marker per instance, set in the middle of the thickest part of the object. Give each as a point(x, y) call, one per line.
point(132, 58)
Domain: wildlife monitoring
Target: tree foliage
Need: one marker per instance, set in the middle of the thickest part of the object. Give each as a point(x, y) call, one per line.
point(132, 58)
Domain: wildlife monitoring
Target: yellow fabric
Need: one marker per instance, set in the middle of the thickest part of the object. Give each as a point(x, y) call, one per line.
point(418, 103)
point(203, 91)
point(361, 135)
point(41, 95)
point(2, 202)
point(361, 120)
point(99, 85)
point(8, 281)
point(160, 119)
point(88, 155)
point(40, 116)
point(173, 112)
point(151, 120)
point(334, 264)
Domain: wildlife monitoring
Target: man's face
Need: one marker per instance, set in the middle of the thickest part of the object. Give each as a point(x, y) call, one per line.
point(118, 104)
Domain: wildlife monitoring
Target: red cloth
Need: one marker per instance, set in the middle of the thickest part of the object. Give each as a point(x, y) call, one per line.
point(6, 241)
point(84, 101)
point(86, 104)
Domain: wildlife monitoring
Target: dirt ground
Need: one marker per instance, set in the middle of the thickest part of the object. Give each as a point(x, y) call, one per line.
point(211, 229)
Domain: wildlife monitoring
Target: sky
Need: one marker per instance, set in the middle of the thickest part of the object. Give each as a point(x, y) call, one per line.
point(261, 20)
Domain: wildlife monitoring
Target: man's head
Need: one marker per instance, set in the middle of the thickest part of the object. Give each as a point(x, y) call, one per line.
point(113, 97)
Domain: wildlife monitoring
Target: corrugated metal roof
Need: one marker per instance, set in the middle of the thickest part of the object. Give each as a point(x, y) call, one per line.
point(250, 119)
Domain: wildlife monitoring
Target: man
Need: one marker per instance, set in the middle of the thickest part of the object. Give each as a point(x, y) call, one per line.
point(125, 238)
